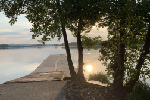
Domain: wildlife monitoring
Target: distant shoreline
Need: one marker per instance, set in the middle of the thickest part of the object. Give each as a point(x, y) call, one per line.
point(32, 45)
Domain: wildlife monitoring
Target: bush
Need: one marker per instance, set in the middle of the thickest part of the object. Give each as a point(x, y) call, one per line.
point(141, 91)
point(99, 77)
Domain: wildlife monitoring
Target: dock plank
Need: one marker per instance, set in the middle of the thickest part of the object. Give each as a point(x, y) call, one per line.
point(62, 65)
point(49, 61)
point(43, 69)
point(36, 77)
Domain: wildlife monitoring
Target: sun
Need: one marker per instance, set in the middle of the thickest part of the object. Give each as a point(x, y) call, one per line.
point(89, 68)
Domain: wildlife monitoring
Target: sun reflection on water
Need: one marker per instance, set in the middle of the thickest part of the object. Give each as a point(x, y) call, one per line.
point(89, 68)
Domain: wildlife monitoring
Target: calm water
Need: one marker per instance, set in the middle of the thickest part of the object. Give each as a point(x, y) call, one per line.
point(18, 62)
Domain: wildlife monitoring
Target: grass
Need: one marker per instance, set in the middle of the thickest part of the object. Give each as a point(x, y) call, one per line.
point(141, 91)
point(100, 76)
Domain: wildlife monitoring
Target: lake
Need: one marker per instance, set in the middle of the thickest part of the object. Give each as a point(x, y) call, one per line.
point(20, 61)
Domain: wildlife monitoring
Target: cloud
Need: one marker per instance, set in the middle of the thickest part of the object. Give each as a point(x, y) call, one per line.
point(11, 37)
point(27, 25)
point(10, 33)
point(6, 30)
point(2, 16)
point(98, 31)
point(20, 32)
point(16, 32)
point(26, 29)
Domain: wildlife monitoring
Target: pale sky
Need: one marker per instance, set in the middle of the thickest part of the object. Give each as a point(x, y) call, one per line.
point(19, 33)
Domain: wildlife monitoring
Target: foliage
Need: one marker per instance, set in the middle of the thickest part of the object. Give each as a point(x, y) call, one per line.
point(127, 49)
point(134, 45)
point(129, 18)
point(141, 91)
point(89, 42)
point(46, 19)
point(51, 18)
point(99, 77)
point(88, 11)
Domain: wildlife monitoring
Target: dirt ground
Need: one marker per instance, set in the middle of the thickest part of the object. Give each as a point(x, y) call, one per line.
point(89, 91)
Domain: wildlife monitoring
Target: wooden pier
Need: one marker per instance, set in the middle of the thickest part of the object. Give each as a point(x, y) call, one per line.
point(53, 68)
point(44, 83)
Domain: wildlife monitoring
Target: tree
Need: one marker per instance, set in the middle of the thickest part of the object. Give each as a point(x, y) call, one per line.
point(45, 18)
point(128, 35)
point(80, 20)
point(144, 38)
point(52, 17)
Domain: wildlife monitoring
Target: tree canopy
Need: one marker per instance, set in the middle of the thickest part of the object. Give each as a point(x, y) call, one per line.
point(51, 18)
point(126, 54)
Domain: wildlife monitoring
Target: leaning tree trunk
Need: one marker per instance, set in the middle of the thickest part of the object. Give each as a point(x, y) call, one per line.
point(70, 63)
point(132, 81)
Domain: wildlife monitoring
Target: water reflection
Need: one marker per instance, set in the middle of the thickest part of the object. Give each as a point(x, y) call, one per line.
point(71, 47)
point(15, 63)
point(89, 68)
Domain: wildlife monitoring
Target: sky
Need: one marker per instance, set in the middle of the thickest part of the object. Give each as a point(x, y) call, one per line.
point(19, 33)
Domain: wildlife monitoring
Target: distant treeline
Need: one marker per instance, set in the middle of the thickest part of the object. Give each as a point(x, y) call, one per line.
point(23, 45)
point(30, 45)
point(74, 44)
point(4, 45)
point(70, 44)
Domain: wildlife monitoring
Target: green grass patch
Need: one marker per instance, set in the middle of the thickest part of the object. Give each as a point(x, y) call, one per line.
point(100, 76)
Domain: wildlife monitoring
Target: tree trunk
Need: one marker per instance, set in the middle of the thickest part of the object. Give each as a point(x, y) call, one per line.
point(132, 81)
point(70, 63)
point(80, 53)
point(119, 70)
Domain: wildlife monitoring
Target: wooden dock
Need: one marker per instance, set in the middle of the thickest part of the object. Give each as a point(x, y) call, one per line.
point(53, 68)
point(44, 83)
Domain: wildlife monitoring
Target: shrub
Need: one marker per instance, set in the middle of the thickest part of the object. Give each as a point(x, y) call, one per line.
point(99, 77)
point(141, 91)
